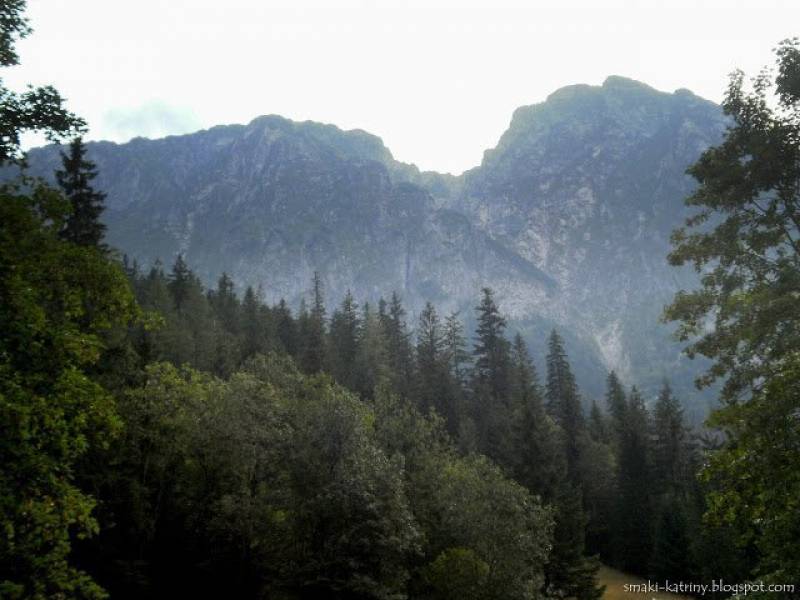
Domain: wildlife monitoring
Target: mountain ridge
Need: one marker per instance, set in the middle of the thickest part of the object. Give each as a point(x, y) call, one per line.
point(568, 217)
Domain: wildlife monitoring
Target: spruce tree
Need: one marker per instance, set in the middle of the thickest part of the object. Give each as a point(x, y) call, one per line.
point(490, 377)
point(563, 402)
point(537, 452)
point(344, 342)
point(256, 324)
point(455, 348)
point(634, 523)
point(372, 364)
point(398, 346)
point(569, 570)
point(312, 357)
point(180, 281)
point(435, 390)
point(675, 506)
point(83, 226)
point(671, 556)
point(670, 442)
point(285, 327)
point(598, 425)
point(226, 304)
point(570, 574)
point(616, 404)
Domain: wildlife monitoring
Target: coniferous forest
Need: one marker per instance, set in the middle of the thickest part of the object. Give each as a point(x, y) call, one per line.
point(164, 439)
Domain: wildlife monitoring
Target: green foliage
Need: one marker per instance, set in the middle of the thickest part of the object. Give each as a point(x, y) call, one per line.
point(83, 226)
point(745, 240)
point(563, 401)
point(57, 300)
point(456, 574)
point(634, 522)
point(435, 388)
point(344, 342)
point(468, 512)
point(270, 483)
point(537, 452)
point(490, 378)
point(37, 109)
point(745, 237)
point(756, 475)
point(312, 334)
point(372, 357)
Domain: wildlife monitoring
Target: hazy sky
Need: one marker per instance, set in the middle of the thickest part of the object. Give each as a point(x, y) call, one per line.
point(437, 80)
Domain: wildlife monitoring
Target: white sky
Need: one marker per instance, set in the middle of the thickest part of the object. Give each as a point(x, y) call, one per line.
point(436, 79)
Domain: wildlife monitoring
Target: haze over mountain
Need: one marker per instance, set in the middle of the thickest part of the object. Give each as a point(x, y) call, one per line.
point(568, 218)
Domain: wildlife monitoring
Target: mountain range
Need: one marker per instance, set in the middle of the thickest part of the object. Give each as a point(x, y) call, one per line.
point(568, 219)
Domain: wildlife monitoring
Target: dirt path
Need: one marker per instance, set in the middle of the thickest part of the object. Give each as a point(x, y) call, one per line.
point(615, 587)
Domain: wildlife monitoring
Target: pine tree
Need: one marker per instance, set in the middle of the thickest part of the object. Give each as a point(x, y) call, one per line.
point(256, 324)
point(669, 442)
point(226, 304)
point(616, 404)
point(491, 350)
point(372, 367)
point(563, 402)
point(398, 346)
point(537, 454)
point(455, 348)
point(635, 516)
point(180, 281)
point(344, 342)
point(312, 358)
point(671, 555)
point(83, 226)
point(598, 425)
point(285, 327)
point(490, 377)
point(435, 390)
point(569, 573)
point(676, 487)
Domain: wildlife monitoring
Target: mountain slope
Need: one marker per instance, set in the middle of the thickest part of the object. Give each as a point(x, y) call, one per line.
point(588, 186)
point(568, 218)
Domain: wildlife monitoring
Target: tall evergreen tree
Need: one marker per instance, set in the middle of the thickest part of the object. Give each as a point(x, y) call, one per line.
point(343, 343)
point(435, 390)
point(490, 377)
point(180, 281)
point(398, 346)
point(226, 304)
point(256, 324)
point(313, 352)
point(536, 452)
point(670, 443)
point(616, 403)
point(569, 573)
point(563, 402)
point(491, 350)
point(83, 225)
point(598, 425)
point(372, 363)
point(285, 327)
point(455, 348)
point(429, 359)
point(634, 523)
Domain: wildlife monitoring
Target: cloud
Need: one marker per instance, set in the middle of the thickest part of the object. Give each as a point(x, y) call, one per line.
point(153, 120)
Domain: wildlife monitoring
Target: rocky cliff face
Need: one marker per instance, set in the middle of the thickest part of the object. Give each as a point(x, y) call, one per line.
point(568, 218)
point(588, 186)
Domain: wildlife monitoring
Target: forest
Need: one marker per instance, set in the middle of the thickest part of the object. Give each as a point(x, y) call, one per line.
point(159, 439)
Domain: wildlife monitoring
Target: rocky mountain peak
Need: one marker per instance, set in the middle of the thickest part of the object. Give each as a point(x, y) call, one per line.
point(568, 218)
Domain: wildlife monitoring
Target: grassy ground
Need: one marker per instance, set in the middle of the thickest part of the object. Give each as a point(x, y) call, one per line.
point(615, 580)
